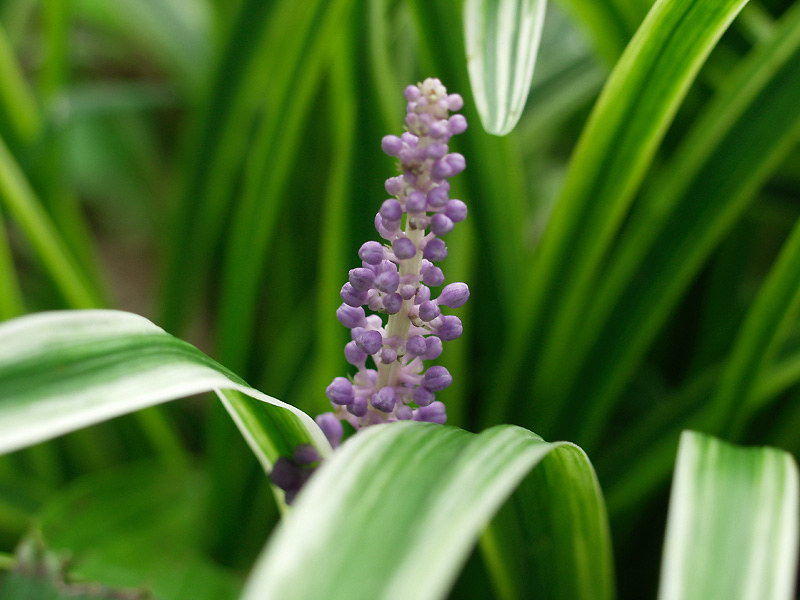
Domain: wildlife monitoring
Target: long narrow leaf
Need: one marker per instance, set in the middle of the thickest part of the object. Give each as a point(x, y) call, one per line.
point(394, 513)
point(61, 371)
point(502, 40)
point(732, 531)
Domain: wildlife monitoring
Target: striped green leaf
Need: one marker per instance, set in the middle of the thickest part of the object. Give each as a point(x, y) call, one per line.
point(395, 512)
point(502, 40)
point(64, 370)
point(732, 531)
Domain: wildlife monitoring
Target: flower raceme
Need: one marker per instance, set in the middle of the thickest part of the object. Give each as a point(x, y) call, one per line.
point(395, 278)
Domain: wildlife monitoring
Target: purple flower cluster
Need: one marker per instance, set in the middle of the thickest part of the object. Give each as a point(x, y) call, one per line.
point(396, 278)
point(290, 474)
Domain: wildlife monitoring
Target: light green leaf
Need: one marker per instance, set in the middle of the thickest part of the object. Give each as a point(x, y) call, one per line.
point(732, 531)
point(64, 370)
point(395, 512)
point(502, 40)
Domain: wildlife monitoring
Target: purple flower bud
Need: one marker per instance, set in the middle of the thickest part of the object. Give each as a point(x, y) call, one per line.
point(455, 102)
point(436, 378)
point(404, 248)
point(441, 224)
point(441, 169)
point(423, 293)
point(391, 144)
point(435, 250)
point(416, 345)
point(305, 454)
point(357, 331)
point(403, 413)
point(438, 196)
point(391, 210)
point(456, 210)
point(354, 355)
point(361, 278)
point(407, 291)
point(416, 202)
point(457, 163)
point(371, 252)
point(393, 303)
point(340, 391)
point(434, 413)
point(436, 150)
point(423, 396)
point(394, 185)
point(388, 356)
point(350, 316)
point(432, 276)
point(412, 93)
point(434, 348)
point(331, 427)
point(358, 407)
point(370, 342)
point(428, 310)
point(384, 399)
point(450, 328)
point(352, 297)
point(387, 280)
point(440, 129)
point(286, 475)
point(457, 124)
point(454, 295)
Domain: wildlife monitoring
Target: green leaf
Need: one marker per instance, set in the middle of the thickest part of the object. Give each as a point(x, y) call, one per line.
point(732, 531)
point(61, 371)
point(617, 145)
point(502, 40)
point(395, 511)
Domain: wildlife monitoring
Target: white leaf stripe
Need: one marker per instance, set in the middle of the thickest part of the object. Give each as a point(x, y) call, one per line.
point(502, 41)
point(395, 511)
point(64, 370)
point(732, 531)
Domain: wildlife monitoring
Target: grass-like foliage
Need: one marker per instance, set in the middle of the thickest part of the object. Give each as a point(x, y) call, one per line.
point(632, 255)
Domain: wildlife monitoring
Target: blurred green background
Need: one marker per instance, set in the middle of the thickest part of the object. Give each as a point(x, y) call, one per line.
point(215, 164)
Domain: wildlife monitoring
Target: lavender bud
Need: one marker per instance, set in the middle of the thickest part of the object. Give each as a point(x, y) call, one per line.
point(412, 93)
point(403, 413)
point(361, 278)
point(456, 162)
point(450, 328)
point(359, 407)
point(391, 210)
point(438, 196)
point(351, 296)
point(432, 276)
point(433, 349)
point(457, 124)
point(436, 150)
point(384, 399)
point(428, 310)
point(416, 202)
point(388, 356)
point(350, 316)
point(354, 355)
point(423, 293)
point(454, 295)
point(436, 378)
point(407, 291)
point(371, 252)
point(435, 250)
point(441, 224)
point(387, 280)
point(331, 427)
point(416, 345)
point(394, 185)
point(423, 396)
point(285, 474)
point(456, 210)
point(391, 144)
point(340, 391)
point(370, 342)
point(435, 413)
point(404, 248)
point(305, 454)
point(393, 303)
